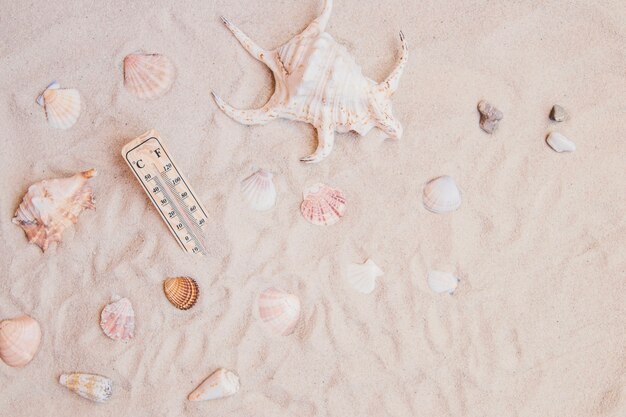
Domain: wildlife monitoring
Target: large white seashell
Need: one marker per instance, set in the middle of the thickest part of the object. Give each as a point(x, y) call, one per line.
point(279, 310)
point(148, 76)
point(62, 105)
point(362, 277)
point(259, 190)
point(221, 383)
point(50, 206)
point(323, 205)
point(93, 387)
point(441, 282)
point(19, 340)
point(441, 195)
point(319, 82)
point(118, 320)
point(560, 143)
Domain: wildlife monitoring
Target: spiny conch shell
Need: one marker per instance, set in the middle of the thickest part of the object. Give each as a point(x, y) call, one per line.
point(50, 206)
point(279, 310)
point(441, 195)
point(62, 105)
point(118, 320)
point(182, 292)
point(19, 340)
point(319, 82)
point(93, 387)
point(560, 143)
point(441, 282)
point(148, 76)
point(362, 277)
point(221, 383)
point(259, 190)
point(323, 205)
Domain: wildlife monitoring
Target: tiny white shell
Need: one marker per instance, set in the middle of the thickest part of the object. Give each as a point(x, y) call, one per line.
point(362, 277)
point(62, 105)
point(560, 143)
point(279, 310)
point(441, 195)
point(221, 383)
point(259, 190)
point(441, 282)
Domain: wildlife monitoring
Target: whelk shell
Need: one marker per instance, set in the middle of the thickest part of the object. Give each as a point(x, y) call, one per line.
point(279, 310)
point(221, 383)
point(93, 387)
point(19, 340)
point(323, 205)
point(259, 190)
point(118, 320)
point(148, 76)
point(62, 105)
point(182, 292)
point(441, 282)
point(441, 195)
point(362, 277)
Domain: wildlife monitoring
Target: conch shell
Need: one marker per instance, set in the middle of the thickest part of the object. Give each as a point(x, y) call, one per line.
point(19, 340)
point(50, 206)
point(93, 387)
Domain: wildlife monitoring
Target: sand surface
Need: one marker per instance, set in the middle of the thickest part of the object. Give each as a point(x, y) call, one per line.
point(536, 327)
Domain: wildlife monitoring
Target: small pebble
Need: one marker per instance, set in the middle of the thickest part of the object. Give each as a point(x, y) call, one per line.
point(489, 116)
point(558, 113)
point(560, 143)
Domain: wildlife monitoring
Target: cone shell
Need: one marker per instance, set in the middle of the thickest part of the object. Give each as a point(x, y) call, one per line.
point(221, 383)
point(441, 282)
point(362, 277)
point(182, 292)
point(259, 190)
point(93, 387)
point(323, 205)
point(441, 195)
point(19, 340)
point(279, 310)
point(62, 105)
point(50, 206)
point(148, 76)
point(118, 320)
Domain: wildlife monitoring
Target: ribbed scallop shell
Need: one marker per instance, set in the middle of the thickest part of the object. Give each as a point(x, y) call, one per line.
point(50, 206)
point(441, 282)
point(323, 205)
point(118, 320)
point(148, 76)
point(221, 383)
point(93, 387)
point(259, 190)
point(19, 340)
point(62, 105)
point(279, 310)
point(441, 195)
point(182, 292)
point(362, 277)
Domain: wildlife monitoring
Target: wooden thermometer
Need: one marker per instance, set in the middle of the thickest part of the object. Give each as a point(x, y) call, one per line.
point(168, 189)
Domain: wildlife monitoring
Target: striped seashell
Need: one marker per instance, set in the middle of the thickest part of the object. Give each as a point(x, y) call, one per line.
point(62, 105)
point(362, 277)
point(182, 292)
point(279, 310)
point(441, 195)
point(148, 76)
point(221, 383)
point(259, 190)
point(118, 320)
point(323, 205)
point(19, 340)
point(93, 387)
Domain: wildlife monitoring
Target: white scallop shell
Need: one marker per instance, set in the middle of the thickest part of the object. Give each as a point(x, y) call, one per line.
point(441, 195)
point(279, 310)
point(441, 282)
point(221, 383)
point(362, 277)
point(323, 205)
point(118, 320)
point(259, 190)
point(62, 105)
point(93, 387)
point(148, 76)
point(560, 143)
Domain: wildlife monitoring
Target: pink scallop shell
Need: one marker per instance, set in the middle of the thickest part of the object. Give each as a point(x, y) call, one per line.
point(323, 205)
point(118, 320)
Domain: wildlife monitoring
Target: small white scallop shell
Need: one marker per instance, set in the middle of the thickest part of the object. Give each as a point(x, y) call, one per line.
point(362, 277)
point(259, 190)
point(93, 387)
point(221, 383)
point(62, 105)
point(279, 310)
point(148, 76)
point(441, 282)
point(441, 195)
point(323, 205)
point(118, 320)
point(560, 143)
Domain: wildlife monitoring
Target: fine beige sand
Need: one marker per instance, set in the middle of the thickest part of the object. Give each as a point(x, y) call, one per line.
point(537, 326)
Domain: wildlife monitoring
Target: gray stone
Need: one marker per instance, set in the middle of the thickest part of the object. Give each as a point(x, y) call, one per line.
point(558, 113)
point(489, 116)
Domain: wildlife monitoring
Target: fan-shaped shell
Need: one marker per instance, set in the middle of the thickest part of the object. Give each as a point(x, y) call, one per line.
point(259, 190)
point(148, 76)
point(182, 292)
point(441, 195)
point(323, 205)
point(362, 277)
point(221, 383)
point(118, 320)
point(441, 282)
point(62, 105)
point(560, 143)
point(279, 310)
point(93, 387)
point(50, 206)
point(19, 340)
